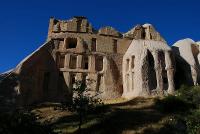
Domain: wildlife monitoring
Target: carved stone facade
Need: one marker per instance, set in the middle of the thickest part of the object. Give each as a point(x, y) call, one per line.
point(148, 67)
point(137, 63)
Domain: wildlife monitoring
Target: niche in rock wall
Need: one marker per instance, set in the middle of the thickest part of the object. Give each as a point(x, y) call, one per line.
point(127, 64)
point(99, 63)
point(73, 62)
point(151, 71)
point(61, 43)
point(85, 63)
point(61, 61)
point(79, 22)
point(114, 46)
point(94, 43)
point(100, 83)
point(72, 79)
point(143, 33)
point(132, 62)
point(161, 58)
point(71, 43)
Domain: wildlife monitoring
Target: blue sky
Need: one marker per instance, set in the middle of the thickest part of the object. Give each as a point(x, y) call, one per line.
point(24, 23)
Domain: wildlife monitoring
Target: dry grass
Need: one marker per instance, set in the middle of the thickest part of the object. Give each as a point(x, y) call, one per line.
point(123, 117)
point(116, 101)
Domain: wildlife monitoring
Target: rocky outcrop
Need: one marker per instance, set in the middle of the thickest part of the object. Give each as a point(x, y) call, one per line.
point(187, 59)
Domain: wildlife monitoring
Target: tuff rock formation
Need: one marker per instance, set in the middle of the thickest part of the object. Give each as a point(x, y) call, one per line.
point(187, 62)
point(148, 67)
point(136, 63)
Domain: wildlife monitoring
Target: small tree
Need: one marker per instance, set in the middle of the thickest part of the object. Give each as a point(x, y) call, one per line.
point(82, 100)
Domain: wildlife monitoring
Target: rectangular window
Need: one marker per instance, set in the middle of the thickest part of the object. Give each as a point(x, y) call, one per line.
point(79, 22)
point(73, 79)
point(99, 63)
point(73, 60)
point(115, 46)
point(61, 61)
point(61, 44)
point(71, 43)
point(132, 62)
point(94, 42)
point(127, 64)
point(85, 62)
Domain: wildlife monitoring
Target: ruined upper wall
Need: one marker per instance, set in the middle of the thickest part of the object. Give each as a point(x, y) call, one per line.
point(76, 24)
point(107, 39)
point(80, 25)
point(146, 31)
point(110, 31)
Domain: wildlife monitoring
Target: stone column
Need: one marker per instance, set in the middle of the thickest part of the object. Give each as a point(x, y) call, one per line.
point(67, 79)
point(101, 83)
point(92, 63)
point(130, 74)
point(147, 30)
point(170, 77)
point(65, 44)
point(130, 62)
point(170, 72)
point(128, 82)
point(158, 70)
point(79, 61)
point(194, 74)
point(67, 61)
point(80, 45)
point(105, 63)
point(105, 76)
point(51, 27)
point(55, 55)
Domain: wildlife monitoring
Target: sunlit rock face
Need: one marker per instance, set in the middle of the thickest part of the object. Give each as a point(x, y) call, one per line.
point(136, 63)
point(148, 67)
point(187, 62)
point(73, 51)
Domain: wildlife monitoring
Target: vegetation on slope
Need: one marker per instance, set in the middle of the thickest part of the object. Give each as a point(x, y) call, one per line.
point(178, 114)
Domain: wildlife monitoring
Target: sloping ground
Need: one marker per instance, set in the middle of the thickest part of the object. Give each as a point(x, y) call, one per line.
point(135, 116)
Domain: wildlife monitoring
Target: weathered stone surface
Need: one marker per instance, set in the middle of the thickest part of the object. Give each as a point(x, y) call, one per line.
point(76, 24)
point(187, 53)
point(139, 63)
point(110, 31)
point(146, 31)
point(143, 67)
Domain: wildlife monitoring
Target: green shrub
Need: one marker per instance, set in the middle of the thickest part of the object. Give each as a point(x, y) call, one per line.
point(171, 104)
point(21, 122)
point(193, 122)
point(190, 95)
point(174, 125)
